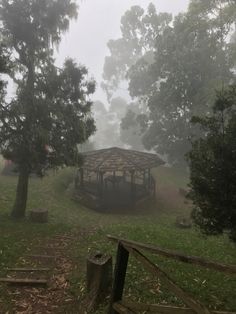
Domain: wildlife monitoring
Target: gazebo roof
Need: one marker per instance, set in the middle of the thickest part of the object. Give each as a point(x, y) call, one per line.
point(117, 159)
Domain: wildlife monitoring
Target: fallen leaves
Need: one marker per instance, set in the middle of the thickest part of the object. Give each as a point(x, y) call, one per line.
point(31, 300)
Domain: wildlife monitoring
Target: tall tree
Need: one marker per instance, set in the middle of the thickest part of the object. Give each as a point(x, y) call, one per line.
point(176, 73)
point(192, 58)
point(4, 69)
point(132, 126)
point(212, 162)
point(139, 30)
point(50, 114)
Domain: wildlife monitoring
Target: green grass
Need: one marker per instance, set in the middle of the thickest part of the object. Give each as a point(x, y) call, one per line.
point(151, 225)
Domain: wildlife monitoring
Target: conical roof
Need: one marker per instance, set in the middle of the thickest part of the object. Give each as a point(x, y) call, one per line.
point(118, 159)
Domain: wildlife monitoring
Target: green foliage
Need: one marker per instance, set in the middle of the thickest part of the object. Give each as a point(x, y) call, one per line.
point(50, 114)
point(89, 229)
point(174, 65)
point(4, 69)
point(212, 162)
point(191, 60)
point(45, 134)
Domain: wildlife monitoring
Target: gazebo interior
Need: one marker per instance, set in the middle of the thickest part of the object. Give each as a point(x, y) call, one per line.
point(116, 178)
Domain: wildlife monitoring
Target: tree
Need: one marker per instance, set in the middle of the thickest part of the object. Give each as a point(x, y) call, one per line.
point(132, 126)
point(50, 114)
point(139, 30)
point(192, 58)
point(4, 69)
point(177, 72)
point(212, 163)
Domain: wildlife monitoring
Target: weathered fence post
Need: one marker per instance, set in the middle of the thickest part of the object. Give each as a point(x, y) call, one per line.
point(99, 277)
point(119, 277)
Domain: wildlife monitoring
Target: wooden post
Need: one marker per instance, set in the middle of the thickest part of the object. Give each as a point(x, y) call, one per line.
point(99, 274)
point(77, 180)
point(122, 258)
point(114, 180)
point(149, 180)
point(82, 177)
point(124, 176)
point(144, 178)
point(133, 187)
point(101, 181)
point(154, 191)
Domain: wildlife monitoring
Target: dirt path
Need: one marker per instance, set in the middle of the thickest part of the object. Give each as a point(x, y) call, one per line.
point(56, 297)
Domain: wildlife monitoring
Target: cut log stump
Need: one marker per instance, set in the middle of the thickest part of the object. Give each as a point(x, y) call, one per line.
point(39, 215)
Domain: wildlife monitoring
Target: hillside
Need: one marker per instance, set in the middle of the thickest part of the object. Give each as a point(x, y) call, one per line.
point(154, 223)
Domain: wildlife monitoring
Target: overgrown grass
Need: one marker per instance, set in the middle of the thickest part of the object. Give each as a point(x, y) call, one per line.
point(155, 226)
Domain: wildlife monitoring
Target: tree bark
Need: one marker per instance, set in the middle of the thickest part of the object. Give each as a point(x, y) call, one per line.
point(19, 207)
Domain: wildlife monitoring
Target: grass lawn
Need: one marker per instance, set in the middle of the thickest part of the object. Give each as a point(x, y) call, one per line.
point(154, 223)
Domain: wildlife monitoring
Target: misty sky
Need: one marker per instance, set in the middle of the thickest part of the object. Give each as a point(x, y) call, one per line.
point(99, 21)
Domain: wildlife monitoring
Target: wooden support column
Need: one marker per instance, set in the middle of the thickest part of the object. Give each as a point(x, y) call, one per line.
point(133, 189)
point(144, 178)
point(114, 179)
point(154, 189)
point(77, 178)
point(149, 180)
point(82, 177)
point(98, 182)
point(124, 176)
point(101, 183)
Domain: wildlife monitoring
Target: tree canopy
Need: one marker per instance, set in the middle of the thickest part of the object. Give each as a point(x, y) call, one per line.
point(212, 162)
point(50, 113)
point(176, 69)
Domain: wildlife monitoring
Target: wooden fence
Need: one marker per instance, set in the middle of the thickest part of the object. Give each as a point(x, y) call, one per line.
point(125, 248)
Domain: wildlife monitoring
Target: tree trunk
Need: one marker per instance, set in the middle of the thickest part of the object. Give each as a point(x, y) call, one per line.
point(19, 207)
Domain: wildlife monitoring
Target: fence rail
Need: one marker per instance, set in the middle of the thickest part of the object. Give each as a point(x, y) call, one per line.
point(126, 248)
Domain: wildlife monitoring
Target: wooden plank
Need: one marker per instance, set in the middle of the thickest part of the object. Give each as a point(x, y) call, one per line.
point(154, 269)
point(122, 309)
point(163, 309)
point(26, 270)
point(64, 237)
point(42, 256)
point(228, 269)
point(54, 248)
point(30, 282)
point(122, 258)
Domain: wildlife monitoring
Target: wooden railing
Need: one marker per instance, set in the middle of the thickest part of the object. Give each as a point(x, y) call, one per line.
point(126, 248)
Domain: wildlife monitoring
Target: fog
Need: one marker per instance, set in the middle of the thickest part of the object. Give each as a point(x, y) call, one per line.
point(117, 117)
point(98, 22)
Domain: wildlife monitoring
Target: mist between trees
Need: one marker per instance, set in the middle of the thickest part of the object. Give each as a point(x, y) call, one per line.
point(172, 67)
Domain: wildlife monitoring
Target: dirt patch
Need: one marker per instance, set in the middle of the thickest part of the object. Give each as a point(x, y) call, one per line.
point(56, 297)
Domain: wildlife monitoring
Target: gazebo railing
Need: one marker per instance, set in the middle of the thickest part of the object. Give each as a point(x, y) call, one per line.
point(126, 248)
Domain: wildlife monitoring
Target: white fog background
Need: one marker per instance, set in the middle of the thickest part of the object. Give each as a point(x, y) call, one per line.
point(98, 22)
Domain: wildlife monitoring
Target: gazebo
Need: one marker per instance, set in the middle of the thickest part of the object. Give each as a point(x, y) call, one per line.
point(116, 178)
